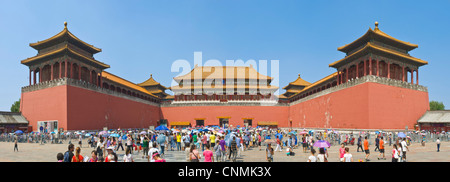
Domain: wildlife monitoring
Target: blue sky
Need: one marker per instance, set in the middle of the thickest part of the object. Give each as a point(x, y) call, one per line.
point(139, 38)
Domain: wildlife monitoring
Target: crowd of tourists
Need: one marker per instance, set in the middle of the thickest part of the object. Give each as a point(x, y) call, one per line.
point(215, 144)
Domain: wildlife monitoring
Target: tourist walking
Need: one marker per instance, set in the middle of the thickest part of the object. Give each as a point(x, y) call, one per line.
point(145, 147)
point(381, 149)
point(438, 143)
point(68, 155)
point(322, 157)
point(395, 155)
point(153, 150)
point(312, 157)
point(341, 152)
point(178, 142)
point(218, 152)
point(128, 157)
point(377, 143)
point(233, 149)
point(348, 156)
point(208, 154)
point(212, 139)
point(194, 154)
point(278, 144)
point(404, 149)
point(359, 144)
point(77, 157)
point(15, 143)
point(366, 148)
point(223, 147)
point(119, 141)
point(269, 153)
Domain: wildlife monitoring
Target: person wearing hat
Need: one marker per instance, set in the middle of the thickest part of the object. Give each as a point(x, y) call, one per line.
point(112, 156)
point(158, 158)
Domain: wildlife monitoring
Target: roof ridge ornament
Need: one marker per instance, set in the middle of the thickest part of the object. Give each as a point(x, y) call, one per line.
point(376, 26)
point(65, 25)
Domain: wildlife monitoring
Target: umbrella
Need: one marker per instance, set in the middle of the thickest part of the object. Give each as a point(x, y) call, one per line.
point(88, 134)
point(143, 132)
point(303, 133)
point(102, 133)
point(18, 132)
point(279, 135)
point(124, 137)
point(267, 141)
point(322, 144)
point(401, 135)
point(161, 127)
point(52, 132)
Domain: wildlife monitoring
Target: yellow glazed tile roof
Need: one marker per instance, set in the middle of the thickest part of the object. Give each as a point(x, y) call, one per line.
point(126, 83)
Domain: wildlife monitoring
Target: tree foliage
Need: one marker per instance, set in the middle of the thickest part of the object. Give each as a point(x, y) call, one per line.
point(16, 106)
point(435, 105)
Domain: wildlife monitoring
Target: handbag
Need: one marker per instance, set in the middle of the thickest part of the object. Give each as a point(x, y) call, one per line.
point(195, 160)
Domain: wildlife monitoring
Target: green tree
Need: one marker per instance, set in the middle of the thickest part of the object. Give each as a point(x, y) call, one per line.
point(435, 105)
point(16, 106)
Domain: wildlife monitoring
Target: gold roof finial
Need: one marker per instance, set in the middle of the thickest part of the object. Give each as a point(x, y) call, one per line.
point(65, 25)
point(151, 75)
point(299, 75)
point(376, 25)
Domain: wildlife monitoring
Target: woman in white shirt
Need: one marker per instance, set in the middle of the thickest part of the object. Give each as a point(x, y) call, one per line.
point(312, 158)
point(128, 157)
point(152, 151)
point(347, 156)
point(322, 156)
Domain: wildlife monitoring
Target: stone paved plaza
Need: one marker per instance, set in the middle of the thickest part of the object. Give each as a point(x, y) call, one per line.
point(33, 152)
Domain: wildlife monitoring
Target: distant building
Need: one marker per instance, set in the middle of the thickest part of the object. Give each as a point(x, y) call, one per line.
point(435, 121)
point(13, 121)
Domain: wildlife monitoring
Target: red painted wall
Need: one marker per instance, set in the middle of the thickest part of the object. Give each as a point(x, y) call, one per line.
point(45, 105)
point(93, 110)
point(394, 107)
point(259, 113)
point(365, 106)
point(80, 109)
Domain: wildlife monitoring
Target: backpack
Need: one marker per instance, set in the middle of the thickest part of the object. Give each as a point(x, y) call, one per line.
point(66, 157)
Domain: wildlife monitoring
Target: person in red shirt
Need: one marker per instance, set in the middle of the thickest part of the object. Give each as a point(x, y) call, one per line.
point(278, 144)
point(381, 149)
point(366, 148)
point(77, 157)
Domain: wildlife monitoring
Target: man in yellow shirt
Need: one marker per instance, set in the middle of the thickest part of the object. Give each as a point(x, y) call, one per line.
point(178, 142)
point(212, 140)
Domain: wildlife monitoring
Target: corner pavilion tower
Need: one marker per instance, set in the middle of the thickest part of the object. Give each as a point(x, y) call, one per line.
point(377, 53)
point(65, 56)
point(69, 90)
